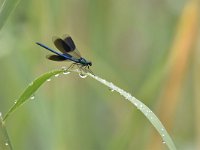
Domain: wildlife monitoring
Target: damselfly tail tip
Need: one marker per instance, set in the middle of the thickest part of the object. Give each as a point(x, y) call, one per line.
point(37, 43)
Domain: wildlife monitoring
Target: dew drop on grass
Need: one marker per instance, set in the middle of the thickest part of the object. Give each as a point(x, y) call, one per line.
point(83, 75)
point(112, 90)
point(136, 104)
point(15, 101)
point(6, 144)
point(163, 142)
point(103, 81)
point(147, 112)
point(57, 75)
point(128, 96)
point(48, 79)
point(141, 106)
point(32, 97)
point(1, 116)
point(66, 72)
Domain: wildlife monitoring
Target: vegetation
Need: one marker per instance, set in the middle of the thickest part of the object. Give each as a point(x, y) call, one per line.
point(146, 48)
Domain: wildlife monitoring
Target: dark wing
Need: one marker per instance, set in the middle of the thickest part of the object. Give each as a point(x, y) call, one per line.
point(56, 58)
point(61, 45)
point(68, 41)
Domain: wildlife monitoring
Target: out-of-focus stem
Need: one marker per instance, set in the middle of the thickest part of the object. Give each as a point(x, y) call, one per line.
point(177, 65)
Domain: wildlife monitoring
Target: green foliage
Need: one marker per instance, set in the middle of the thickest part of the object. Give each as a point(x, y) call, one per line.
point(30, 90)
point(128, 44)
point(144, 109)
point(4, 139)
point(6, 8)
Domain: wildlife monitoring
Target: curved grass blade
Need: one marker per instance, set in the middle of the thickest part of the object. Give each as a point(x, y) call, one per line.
point(6, 8)
point(144, 109)
point(31, 89)
point(4, 139)
point(141, 106)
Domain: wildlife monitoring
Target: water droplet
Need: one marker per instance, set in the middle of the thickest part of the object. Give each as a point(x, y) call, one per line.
point(0, 114)
point(162, 129)
point(112, 90)
point(150, 111)
point(66, 72)
point(128, 96)
point(163, 135)
point(111, 84)
point(103, 81)
point(57, 75)
point(6, 144)
point(163, 142)
point(15, 101)
point(83, 75)
point(136, 104)
point(48, 79)
point(32, 97)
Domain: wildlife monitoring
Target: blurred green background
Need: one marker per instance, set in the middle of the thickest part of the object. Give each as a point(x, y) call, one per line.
point(149, 48)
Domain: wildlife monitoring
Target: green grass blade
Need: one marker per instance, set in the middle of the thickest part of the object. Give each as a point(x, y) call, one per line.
point(4, 139)
point(166, 139)
point(6, 8)
point(30, 90)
